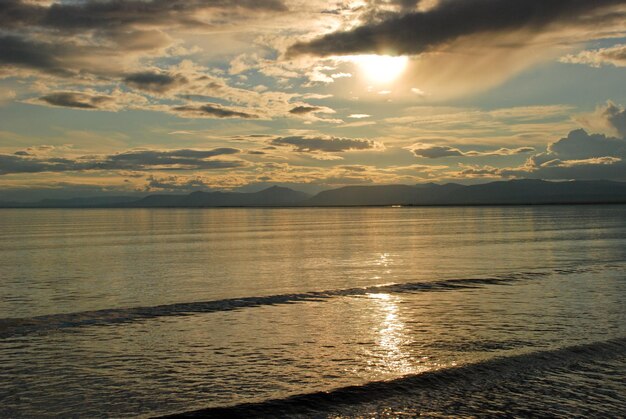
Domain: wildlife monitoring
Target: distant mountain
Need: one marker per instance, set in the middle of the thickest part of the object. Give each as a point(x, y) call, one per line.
point(97, 201)
point(367, 195)
point(84, 202)
point(514, 192)
point(271, 197)
point(422, 194)
point(541, 192)
point(9, 204)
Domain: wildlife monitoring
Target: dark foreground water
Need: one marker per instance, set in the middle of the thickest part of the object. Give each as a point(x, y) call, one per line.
point(314, 312)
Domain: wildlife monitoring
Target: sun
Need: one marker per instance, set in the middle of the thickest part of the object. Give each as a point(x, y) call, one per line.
point(381, 68)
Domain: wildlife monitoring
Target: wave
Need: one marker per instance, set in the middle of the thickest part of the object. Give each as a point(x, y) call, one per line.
point(13, 327)
point(449, 385)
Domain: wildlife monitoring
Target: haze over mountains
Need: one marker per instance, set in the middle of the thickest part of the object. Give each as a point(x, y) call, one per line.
point(514, 192)
point(274, 196)
point(508, 193)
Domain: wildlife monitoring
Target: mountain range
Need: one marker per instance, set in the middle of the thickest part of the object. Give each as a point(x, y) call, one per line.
point(514, 192)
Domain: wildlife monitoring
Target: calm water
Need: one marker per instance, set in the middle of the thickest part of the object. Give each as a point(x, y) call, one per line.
point(150, 312)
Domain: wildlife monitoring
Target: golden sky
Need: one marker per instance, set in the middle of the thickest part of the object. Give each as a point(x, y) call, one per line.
point(143, 96)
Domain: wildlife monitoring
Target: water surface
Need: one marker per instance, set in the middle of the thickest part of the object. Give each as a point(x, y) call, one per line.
point(146, 312)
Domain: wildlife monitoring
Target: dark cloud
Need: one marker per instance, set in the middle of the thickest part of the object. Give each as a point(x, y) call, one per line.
point(376, 10)
point(154, 82)
point(184, 157)
point(435, 152)
point(579, 145)
point(20, 164)
point(46, 57)
point(438, 151)
point(417, 32)
point(578, 156)
point(303, 110)
point(76, 100)
point(64, 57)
point(78, 33)
point(92, 14)
point(17, 13)
point(136, 160)
point(326, 144)
point(210, 110)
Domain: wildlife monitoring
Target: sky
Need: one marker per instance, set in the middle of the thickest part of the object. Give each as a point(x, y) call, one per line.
point(114, 97)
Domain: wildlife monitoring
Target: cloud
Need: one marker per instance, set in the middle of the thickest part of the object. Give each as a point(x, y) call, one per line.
point(465, 47)
point(303, 110)
point(186, 90)
point(76, 100)
point(358, 124)
point(583, 162)
point(439, 151)
point(91, 100)
point(47, 57)
point(435, 152)
point(418, 32)
point(301, 177)
point(181, 157)
point(104, 37)
point(155, 82)
point(589, 169)
point(460, 127)
point(309, 113)
point(211, 110)
point(501, 152)
point(178, 184)
point(6, 95)
point(605, 168)
point(578, 156)
point(134, 160)
point(615, 56)
point(476, 171)
point(112, 14)
point(316, 96)
point(579, 145)
point(326, 144)
point(71, 57)
point(616, 116)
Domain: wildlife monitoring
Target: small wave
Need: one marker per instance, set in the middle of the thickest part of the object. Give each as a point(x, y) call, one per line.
point(444, 384)
point(12, 327)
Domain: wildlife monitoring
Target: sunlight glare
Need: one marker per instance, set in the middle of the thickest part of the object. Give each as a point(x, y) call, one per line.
point(381, 68)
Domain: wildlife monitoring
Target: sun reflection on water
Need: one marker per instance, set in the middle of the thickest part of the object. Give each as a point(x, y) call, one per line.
point(392, 338)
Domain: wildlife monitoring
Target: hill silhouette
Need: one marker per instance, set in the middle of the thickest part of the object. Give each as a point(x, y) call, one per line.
point(513, 192)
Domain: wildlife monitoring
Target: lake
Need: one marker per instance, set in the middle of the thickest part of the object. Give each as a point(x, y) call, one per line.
point(136, 312)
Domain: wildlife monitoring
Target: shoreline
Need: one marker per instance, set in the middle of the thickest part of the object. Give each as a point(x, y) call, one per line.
point(392, 206)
